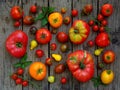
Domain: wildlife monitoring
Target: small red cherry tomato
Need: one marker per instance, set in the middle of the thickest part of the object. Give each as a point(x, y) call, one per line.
point(17, 24)
point(74, 12)
point(90, 43)
point(91, 22)
point(18, 81)
point(33, 9)
point(20, 71)
point(25, 83)
point(102, 29)
point(48, 61)
point(39, 53)
point(100, 17)
point(53, 46)
point(63, 80)
point(95, 28)
point(14, 76)
point(104, 22)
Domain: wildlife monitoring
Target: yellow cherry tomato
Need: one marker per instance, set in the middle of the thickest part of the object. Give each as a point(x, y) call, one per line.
point(57, 57)
point(33, 44)
point(98, 51)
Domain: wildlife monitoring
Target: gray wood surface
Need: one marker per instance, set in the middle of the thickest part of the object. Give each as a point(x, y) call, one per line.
point(7, 61)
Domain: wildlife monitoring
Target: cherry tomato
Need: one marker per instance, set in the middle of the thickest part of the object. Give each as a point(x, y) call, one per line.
point(53, 46)
point(14, 76)
point(33, 30)
point(74, 12)
point(91, 22)
point(102, 29)
point(39, 53)
point(25, 83)
point(100, 17)
point(63, 10)
point(104, 22)
point(28, 20)
point(90, 43)
point(48, 61)
point(20, 71)
point(18, 81)
point(95, 28)
point(62, 37)
point(17, 24)
point(87, 9)
point(63, 80)
point(67, 20)
point(33, 9)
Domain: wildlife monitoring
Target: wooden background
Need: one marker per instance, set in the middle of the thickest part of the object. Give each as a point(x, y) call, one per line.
point(6, 61)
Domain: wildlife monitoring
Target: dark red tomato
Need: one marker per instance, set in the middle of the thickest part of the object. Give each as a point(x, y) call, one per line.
point(74, 12)
point(18, 81)
point(95, 28)
point(16, 12)
point(28, 20)
point(67, 20)
point(48, 61)
point(63, 80)
point(17, 24)
point(14, 76)
point(33, 9)
point(43, 36)
point(102, 29)
point(62, 37)
point(25, 83)
point(100, 17)
point(90, 43)
point(87, 9)
point(53, 46)
point(20, 71)
point(104, 22)
point(107, 10)
point(91, 22)
point(39, 53)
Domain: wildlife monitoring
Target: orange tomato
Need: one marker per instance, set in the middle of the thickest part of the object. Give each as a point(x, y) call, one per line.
point(55, 19)
point(37, 70)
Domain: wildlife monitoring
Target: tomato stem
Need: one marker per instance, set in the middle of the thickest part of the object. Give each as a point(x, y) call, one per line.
point(19, 44)
point(43, 35)
point(108, 71)
point(82, 65)
point(55, 20)
point(39, 71)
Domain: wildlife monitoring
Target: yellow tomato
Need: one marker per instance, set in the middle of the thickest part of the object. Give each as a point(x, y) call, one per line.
point(107, 76)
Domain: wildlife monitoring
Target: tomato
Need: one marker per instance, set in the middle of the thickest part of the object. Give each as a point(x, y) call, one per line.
point(102, 29)
point(108, 56)
point(43, 36)
point(74, 12)
point(18, 81)
point(95, 28)
point(33, 30)
point(39, 53)
point(53, 46)
point(100, 17)
point(102, 39)
point(79, 32)
point(87, 9)
point(25, 83)
point(91, 22)
point(62, 37)
point(37, 70)
point(104, 22)
point(90, 43)
point(107, 10)
point(16, 43)
point(59, 68)
point(16, 12)
point(63, 10)
point(67, 20)
point(14, 76)
point(33, 9)
point(55, 19)
point(107, 76)
point(63, 80)
point(28, 20)
point(48, 61)
point(17, 24)
point(81, 65)
point(20, 71)
point(64, 47)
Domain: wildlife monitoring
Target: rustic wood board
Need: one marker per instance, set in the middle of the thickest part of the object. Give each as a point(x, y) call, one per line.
point(7, 61)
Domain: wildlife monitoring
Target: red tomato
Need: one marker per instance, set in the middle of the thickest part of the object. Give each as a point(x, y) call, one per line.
point(14, 76)
point(67, 20)
point(39, 53)
point(107, 10)
point(20, 71)
point(91, 22)
point(16, 12)
point(81, 65)
point(63, 10)
point(90, 43)
point(95, 28)
point(87, 9)
point(108, 56)
point(28, 20)
point(62, 37)
point(25, 83)
point(104, 22)
point(18, 81)
point(102, 29)
point(74, 12)
point(48, 61)
point(43, 36)
point(63, 80)
point(17, 24)
point(102, 39)
point(33, 9)
point(100, 17)
point(53, 46)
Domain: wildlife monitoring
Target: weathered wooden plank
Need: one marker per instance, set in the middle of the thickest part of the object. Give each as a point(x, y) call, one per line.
point(7, 61)
point(79, 4)
point(31, 53)
point(114, 25)
point(58, 4)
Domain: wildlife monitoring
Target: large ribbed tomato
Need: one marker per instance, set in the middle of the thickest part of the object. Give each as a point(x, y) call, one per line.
point(81, 65)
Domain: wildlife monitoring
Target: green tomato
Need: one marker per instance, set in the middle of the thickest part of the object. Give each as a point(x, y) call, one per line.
point(51, 79)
